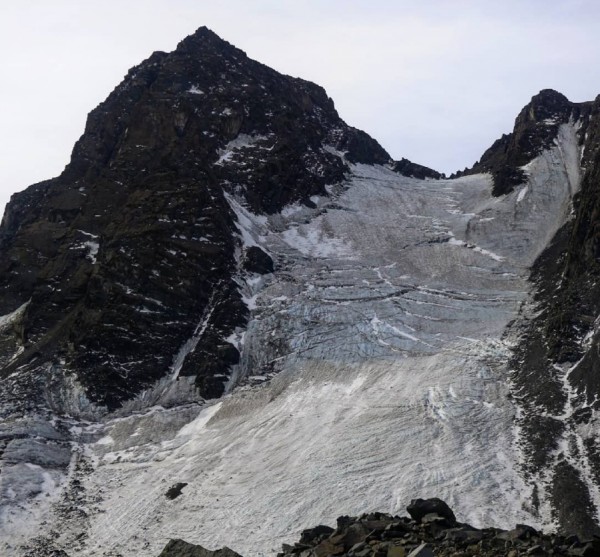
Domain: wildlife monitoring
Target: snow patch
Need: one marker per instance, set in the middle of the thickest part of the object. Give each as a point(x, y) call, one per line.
point(248, 224)
point(456, 242)
point(242, 141)
point(10, 318)
point(522, 194)
point(93, 248)
point(313, 242)
point(192, 342)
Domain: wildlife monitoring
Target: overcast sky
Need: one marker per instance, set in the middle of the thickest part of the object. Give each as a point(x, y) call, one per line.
point(434, 81)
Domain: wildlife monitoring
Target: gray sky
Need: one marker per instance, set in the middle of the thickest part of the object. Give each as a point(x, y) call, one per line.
point(434, 81)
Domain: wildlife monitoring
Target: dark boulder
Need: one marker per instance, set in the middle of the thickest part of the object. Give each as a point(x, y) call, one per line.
point(179, 548)
point(315, 533)
point(418, 508)
point(175, 490)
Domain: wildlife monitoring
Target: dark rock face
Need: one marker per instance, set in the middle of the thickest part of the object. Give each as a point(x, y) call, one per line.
point(408, 168)
point(559, 349)
point(130, 252)
point(535, 129)
point(257, 261)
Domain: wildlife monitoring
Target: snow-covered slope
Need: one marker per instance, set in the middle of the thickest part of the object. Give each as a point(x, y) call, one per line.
point(373, 370)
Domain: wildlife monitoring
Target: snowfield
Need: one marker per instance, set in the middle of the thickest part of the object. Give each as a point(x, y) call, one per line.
point(385, 321)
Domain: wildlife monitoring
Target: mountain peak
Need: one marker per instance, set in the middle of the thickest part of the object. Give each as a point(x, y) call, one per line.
point(548, 103)
point(550, 95)
point(156, 166)
point(201, 39)
point(536, 128)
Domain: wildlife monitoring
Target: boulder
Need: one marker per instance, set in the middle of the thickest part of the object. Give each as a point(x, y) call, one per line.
point(313, 534)
point(328, 547)
point(175, 490)
point(418, 508)
point(179, 548)
point(396, 551)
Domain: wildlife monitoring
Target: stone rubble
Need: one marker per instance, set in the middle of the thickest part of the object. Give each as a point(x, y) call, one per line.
point(431, 530)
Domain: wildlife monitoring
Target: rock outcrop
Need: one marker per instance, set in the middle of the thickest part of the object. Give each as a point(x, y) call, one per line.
point(408, 168)
point(432, 534)
point(559, 344)
point(179, 548)
point(536, 128)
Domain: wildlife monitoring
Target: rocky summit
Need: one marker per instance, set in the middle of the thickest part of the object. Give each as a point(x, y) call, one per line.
point(234, 316)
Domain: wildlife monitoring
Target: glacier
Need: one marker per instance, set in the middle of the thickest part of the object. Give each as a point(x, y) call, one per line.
point(374, 369)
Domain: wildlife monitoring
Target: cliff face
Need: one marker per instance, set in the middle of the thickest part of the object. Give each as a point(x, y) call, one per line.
point(557, 358)
point(536, 128)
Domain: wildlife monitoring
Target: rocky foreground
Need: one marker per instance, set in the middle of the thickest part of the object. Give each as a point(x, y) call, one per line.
point(431, 530)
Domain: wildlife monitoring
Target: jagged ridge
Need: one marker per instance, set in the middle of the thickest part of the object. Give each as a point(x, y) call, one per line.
point(535, 129)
